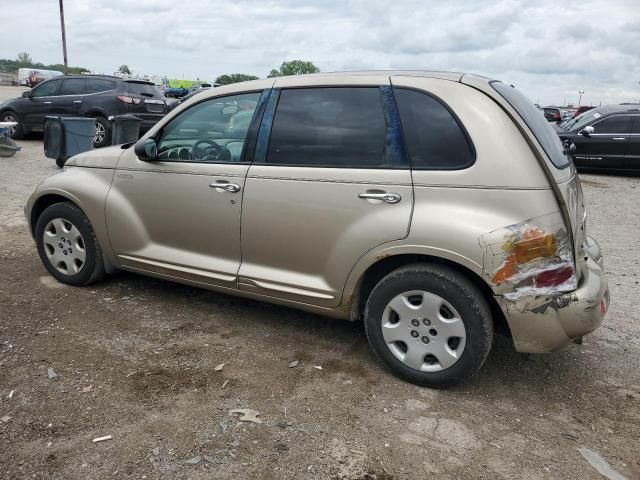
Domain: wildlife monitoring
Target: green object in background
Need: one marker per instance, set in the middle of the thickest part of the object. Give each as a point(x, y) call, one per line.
point(177, 83)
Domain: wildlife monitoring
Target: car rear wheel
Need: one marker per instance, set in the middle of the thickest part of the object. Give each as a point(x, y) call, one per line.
point(429, 325)
point(17, 132)
point(67, 245)
point(102, 137)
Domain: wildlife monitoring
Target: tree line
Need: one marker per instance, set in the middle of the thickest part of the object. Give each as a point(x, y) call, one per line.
point(293, 67)
point(24, 60)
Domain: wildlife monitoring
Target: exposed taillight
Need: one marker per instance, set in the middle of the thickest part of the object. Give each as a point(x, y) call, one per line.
point(130, 100)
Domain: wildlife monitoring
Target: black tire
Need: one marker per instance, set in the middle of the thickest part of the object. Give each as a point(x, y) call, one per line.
point(60, 162)
point(93, 267)
point(11, 116)
point(106, 140)
point(455, 289)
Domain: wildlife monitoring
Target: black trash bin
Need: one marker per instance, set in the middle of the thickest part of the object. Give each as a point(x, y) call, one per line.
point(65, 137)
point(125, 129)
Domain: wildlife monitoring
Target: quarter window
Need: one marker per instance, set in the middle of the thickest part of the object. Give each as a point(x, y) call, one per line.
point(435, 140)
point(72, 86)
point(330, 127)
point(210, 131)
point(46, 89)
point(618, 124)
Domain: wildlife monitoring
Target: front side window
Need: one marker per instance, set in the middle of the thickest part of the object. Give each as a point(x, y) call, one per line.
point(616, 125)
point(329, 127)
point(46, 89)
point(636, 124)
point(211, 131)
point(435, 140)
point(72, 86)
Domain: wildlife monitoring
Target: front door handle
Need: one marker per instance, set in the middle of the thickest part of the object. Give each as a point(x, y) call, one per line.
point(619, 138)
point(47, 103)
point(77, 101)
point(385, 197)
point(224, 186)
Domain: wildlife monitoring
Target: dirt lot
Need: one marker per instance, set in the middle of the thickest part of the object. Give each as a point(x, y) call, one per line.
point(135, 359)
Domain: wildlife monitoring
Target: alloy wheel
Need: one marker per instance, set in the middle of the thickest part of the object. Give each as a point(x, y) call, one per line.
point(101, 133)
point(11, 118)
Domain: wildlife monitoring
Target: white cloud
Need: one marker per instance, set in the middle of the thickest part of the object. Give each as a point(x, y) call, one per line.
point(549, 49)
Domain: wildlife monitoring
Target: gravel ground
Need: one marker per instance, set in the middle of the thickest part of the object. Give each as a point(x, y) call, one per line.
point(136, 359)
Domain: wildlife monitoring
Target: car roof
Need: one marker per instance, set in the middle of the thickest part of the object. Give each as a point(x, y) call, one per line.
point(611, 109)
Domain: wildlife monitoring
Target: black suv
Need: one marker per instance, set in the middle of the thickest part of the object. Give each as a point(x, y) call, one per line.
point(97, 96)
point(606, 137)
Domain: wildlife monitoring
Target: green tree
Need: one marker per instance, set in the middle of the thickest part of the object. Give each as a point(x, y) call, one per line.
point(24, 60)
point(124, 70)
point(294, 67)
point(234, 78)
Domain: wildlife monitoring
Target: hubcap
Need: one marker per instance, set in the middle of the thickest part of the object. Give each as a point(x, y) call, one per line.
point(423, 331)
point(64, 246)
point(10, 118)
point(100, 133)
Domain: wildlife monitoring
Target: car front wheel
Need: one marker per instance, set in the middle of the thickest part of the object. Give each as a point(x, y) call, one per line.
point(429, 325)
point(67, 245)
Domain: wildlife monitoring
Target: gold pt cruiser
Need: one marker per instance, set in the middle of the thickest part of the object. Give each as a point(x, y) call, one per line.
point(435, 207)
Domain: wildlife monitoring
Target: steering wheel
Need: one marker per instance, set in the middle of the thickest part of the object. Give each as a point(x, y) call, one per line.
point(212, 151)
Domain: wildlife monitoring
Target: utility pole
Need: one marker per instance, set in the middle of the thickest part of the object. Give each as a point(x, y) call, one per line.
point(64, 37)
point(579, 98)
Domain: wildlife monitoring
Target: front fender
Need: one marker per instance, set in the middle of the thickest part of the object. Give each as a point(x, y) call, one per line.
point(85, 187)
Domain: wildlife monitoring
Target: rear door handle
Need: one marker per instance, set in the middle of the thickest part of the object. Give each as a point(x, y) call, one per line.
point(224, 186)
point(619, 138)
point(47, 103)
point(77, 101)
point(385, 197)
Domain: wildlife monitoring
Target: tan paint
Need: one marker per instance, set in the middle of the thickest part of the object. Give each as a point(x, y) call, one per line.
point(301, 236)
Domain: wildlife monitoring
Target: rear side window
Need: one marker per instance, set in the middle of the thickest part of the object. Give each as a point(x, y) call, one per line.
point(536, 122)
point(636, 125)
point(72, 86)
point(96, 85)
point(616, 125)
point(435, 140)
point(144, 89)
point(329, 127)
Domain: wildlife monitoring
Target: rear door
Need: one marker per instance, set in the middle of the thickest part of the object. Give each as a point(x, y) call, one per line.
point(330, 181)
point(68, 101)
point(607, 145)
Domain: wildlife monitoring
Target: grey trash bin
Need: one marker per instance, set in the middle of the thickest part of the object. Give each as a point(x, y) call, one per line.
point(65, 137)
point(125, 129)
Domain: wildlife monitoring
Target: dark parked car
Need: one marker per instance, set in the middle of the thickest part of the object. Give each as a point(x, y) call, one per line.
point(552, 114)
point(605, 138)
point(97, 96)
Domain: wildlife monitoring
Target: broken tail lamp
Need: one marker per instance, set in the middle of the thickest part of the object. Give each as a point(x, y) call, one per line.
point(535, 259)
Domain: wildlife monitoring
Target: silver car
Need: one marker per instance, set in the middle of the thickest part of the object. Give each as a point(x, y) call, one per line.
point(435, 207)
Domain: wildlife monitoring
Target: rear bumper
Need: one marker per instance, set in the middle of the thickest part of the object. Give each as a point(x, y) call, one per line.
point(550, 323)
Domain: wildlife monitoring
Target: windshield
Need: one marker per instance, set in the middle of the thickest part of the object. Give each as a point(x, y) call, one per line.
point(536, 122)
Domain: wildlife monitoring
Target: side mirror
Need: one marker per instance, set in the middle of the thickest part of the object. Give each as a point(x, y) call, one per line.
point(26, 94)
point(146, 150)
point(587, 131)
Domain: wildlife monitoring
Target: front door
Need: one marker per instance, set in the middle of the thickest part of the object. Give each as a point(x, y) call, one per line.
point(328, 184)
point(606, 146)
point(39, 104)
point(179, 216)
point(68, 101)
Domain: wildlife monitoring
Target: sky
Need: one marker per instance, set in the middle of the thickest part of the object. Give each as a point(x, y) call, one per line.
point(549, 49)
